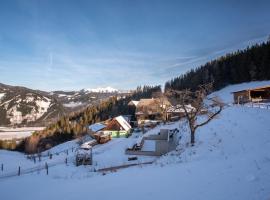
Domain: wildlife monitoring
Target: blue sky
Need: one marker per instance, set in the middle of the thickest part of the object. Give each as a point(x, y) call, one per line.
point(75, 44)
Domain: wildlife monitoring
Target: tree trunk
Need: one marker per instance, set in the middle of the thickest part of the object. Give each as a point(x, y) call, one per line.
point(192, 137)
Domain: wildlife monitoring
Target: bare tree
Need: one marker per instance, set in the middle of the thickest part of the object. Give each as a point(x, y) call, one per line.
point(208, 108)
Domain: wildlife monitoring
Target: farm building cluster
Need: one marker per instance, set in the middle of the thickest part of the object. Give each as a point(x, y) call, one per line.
point(148, 114)
point(160, 109)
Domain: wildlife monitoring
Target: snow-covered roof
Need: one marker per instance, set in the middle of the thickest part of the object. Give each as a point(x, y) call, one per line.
point(121, 120)
point(135, 103)
point(257, 88)
point(180, 109)
point(96, 127)
point(88, 144)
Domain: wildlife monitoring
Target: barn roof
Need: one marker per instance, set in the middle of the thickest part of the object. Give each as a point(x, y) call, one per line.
point(135, 103)
point(121, 120)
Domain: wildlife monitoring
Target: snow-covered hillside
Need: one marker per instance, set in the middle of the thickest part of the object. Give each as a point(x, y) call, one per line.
point(20, 105)
point(231, 160)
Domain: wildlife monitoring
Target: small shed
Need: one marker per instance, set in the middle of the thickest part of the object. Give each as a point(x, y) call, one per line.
point(94, 128)
point(259, 94)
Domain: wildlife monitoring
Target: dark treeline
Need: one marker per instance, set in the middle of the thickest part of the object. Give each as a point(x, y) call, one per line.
point(246, 65)
point(74, 125)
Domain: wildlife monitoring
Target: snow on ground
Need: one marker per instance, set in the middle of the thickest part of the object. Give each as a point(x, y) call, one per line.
point(7, 133)
point(2, 95)
point(149, 145)
point(231, 160)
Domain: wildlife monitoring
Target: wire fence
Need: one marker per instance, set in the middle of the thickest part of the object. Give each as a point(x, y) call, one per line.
point(41, 165)
point(50, 154)
point(44, 166)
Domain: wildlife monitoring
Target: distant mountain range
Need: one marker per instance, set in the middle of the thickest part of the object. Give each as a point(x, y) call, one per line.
point(103, 90)
point(24, 106)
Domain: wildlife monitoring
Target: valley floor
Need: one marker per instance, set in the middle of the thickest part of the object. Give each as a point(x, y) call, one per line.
point(8, 133)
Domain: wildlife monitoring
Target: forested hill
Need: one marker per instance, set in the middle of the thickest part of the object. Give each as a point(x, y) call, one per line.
point(250, 64)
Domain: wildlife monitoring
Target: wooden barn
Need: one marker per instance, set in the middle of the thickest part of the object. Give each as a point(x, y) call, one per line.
point(259, 94)
point(151, 109)
point(117, 127)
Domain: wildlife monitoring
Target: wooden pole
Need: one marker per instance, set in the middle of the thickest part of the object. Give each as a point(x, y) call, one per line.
point(91, 158)
point(66, 161)
point(19, 171)
point(2, 167)
point(47, 168)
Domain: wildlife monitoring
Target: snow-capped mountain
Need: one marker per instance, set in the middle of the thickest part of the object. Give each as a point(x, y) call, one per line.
point(103, 90)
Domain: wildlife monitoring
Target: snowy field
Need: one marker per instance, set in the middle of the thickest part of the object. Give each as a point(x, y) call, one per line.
point(231, 160)
point(7, 133)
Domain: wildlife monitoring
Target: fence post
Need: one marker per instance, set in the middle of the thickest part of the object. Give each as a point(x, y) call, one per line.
point(50, 156)
point(72, 149)
point(2, 167)
point(19, 171)
point(47, 168)
point(66, 161)
point(39, 157)
point(67, 151)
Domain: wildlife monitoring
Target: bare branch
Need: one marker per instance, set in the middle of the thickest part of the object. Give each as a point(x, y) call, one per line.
point(198, 100)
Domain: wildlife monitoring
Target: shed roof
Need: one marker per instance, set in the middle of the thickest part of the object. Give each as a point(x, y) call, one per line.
point(257, 88)
point(96, 127)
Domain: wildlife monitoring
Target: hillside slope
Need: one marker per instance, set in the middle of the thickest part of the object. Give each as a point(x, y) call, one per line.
point(20, 105)
point(230, 160)
point(24, 106)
